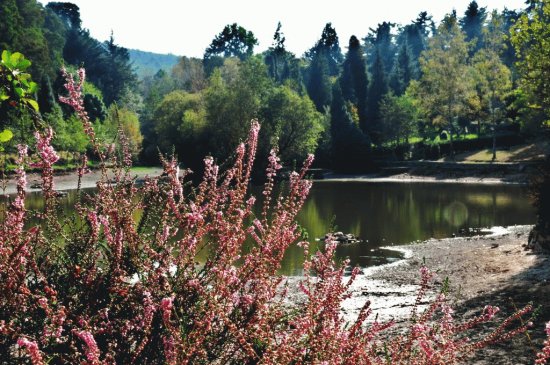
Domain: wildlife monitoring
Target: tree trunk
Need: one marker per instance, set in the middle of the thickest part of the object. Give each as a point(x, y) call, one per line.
point(494, 123)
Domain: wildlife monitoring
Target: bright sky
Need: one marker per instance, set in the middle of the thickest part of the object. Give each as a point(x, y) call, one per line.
point(171, 26)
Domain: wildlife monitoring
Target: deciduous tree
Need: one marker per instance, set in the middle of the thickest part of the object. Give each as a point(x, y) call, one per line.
point(445, 85)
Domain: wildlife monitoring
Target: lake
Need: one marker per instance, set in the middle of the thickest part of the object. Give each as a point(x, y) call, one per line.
point(392, 213)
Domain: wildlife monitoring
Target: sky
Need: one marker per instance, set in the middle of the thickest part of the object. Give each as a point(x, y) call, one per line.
point(172, 26)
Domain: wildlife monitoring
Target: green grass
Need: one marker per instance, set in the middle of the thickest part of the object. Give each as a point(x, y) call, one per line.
point(526, 152)
point(437, 140)
point(144, 169)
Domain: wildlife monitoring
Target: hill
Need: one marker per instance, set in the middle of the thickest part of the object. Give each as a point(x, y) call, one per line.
point(148, 63)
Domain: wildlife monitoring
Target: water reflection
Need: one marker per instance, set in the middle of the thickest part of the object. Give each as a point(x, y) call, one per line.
point(388, 213)
point(395, 213)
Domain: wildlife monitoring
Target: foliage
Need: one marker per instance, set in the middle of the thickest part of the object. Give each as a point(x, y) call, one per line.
point(188, 74)
point(293, 123)
point(319, 85)
point(445, 86)
point(472, 25)
point(124, 122)
point(378, 87)
point(531, 39)
point(16, 90)
point(121, 284)
point(328, 46)
point(350, 146)
point(233, 41)
point(399, 118)
point(354, 81)
point(493, 79)
point(230, 101)
point(16, 86)
point(180, 119)
point(281, 63)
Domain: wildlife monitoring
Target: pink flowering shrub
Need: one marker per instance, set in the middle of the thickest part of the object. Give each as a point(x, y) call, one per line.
point(121, 283)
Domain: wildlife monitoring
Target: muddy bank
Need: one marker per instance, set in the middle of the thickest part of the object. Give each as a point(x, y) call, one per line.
point(447, 172)
point(442, 177)
point(495, 269)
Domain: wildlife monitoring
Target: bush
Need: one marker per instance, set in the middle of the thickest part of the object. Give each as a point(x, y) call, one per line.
point(123, 282)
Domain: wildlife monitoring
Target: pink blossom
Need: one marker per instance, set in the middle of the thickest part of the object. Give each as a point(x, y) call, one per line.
point(166, 305)
point(489, 311)
point(47, 154)
point(32, 349)
point(92, 351)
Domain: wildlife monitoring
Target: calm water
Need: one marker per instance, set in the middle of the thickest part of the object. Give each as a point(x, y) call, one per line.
point(392, 213)
point(398, 213)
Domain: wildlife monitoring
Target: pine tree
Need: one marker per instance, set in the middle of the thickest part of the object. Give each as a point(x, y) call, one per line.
point(380, 42)
point(472, 24)
point(329, 46)
point(350, 146)
point(403, 71)
point(319, 85)
point(278, 59)
point(377, 89)
point(354, 81)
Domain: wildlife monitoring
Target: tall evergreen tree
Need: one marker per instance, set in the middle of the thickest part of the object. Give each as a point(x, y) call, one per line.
point(415, 37)
point(120, 75)
point(472, 24)
point(380, 42)
point(403, 70)
point(350, 148)
point(354, 81)
point(278, 59)
point(509, 17)
point(329, 46)
point(319, 85)
point(68, 12)
point(377, 89)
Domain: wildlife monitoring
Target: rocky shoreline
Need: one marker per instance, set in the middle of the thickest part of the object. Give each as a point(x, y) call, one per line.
point(494, 269)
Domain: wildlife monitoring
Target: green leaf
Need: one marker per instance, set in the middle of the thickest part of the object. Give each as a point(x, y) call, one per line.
point(5, 135)
point(15, 58)
point(32, 103)
point(19, 91)
point(23, 64)
point(6, 56)
point(33, 87)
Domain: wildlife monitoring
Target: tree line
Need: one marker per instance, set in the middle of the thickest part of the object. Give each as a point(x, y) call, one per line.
point(471, 74)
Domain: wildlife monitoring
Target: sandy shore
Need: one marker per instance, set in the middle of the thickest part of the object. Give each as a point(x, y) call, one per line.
point(494, 269)
point(492, 179)
point(69, 180)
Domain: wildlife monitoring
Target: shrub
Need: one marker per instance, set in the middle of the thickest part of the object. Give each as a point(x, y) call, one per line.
point(122, 282)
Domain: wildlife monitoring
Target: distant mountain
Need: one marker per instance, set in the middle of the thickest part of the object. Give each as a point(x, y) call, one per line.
point(148, 63)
